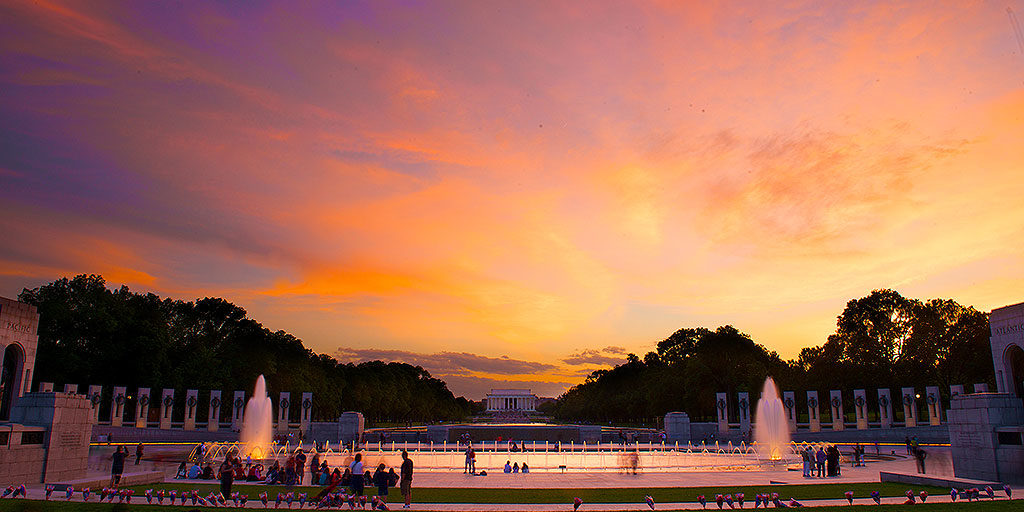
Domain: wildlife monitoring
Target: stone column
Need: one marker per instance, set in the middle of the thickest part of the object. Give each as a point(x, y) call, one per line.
point(860, 408)
point(743, 401)
point(71, 389)
point(117, 407)
point(934, 401)
point(166, 408)
point(955, 390)
point(723, 413)
point(884, 408)
point(46, 387)
point(909, 407)
point(677, 427)
point(789, 400)
point(237, 410)
point(812, 412)
point(981, 388)
point(213, 423)
point(283, 406)
point(307, 411)
point(95, 392)
point(191, 404)
point(836, 404)
point(142, 408)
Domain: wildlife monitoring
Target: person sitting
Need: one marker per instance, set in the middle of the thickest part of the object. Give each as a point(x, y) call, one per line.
point(513, 447)
point(526, 469)
point(208, 472)
point(367, 478)
point(272, 473)
point(515, 467)
point(341, 479)
point(182, 471)
point(508, 466)
point(325, 477)
point(195, 471)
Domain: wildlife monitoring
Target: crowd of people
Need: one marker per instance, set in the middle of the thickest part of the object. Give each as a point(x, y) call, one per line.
point(352, 476)
point(821, 463)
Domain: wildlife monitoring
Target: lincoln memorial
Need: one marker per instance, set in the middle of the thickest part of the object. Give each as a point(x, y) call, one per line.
point(504, 400)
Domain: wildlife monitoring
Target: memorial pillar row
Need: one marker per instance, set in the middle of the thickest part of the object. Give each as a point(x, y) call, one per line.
point(838, 416)
point(813, 415)
point(237, 410)
point(166, 408)
point(213, 423)
point(860, 408)
point(283, 406)
point(934, 401)
point(722, 405)
point(981, 388)
point(955, 390)
point(95, 394)
point(884, 409)
point(117, 407)
point(71, 389)
point(45, 387)
point(142, 408)
point(909, 407)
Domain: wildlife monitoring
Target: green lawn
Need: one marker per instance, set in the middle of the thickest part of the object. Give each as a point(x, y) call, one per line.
point(598, 495)
point(22, 505)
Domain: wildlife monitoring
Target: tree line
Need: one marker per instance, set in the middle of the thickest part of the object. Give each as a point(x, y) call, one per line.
point(883, 340)
point(90, 334)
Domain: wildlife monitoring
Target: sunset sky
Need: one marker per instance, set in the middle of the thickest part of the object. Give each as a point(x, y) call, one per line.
point(516, 193)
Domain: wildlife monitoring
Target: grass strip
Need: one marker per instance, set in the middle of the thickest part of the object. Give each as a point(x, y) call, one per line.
point(588, 495)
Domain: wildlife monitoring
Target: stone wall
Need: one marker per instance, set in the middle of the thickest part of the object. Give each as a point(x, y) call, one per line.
point(985, 432)
point(22, 458)
point(67, 420)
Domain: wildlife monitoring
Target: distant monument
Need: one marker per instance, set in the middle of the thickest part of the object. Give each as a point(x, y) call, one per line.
point(986, 430)
point(511, 400)
point(44, 436)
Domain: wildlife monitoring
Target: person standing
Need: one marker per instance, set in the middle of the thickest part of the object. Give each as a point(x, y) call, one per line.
point(807, 455)
point(117, 466)
point(382, 482)
point(470, 460)
point(820, 459)
point(300, 467)
point(227, 476)
point(356, 481)
point(920, 455)
point(405, 484)
point(138, 454)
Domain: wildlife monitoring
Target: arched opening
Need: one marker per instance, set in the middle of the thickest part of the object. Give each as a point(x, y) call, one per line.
point(1014, 359)
point(10, 379)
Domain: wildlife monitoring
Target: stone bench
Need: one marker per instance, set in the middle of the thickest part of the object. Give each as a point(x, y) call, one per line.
point(938, 481)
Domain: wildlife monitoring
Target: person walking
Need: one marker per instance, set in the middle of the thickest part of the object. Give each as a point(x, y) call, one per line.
point(919, 456)
point(138, 454)
point(117, 466)
point(405, 484)
point(356, 481)
point(227, 476)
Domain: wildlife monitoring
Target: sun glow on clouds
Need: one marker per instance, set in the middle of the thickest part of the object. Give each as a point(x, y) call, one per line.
point(526, 180)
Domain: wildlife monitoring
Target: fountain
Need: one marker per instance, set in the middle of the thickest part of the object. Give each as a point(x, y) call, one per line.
point(771, 427)
point(257, 423)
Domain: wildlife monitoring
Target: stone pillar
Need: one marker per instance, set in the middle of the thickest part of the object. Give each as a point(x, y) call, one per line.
point(117, 406)
point(166, 408)
point(789, 400)
point(934, 401)
point(955, 390)
point(95, 392)
point(46, 387)
point(68, 422)
point(283, 406)
point(307, 411)
point(213, 422)
point(985, 437)
point(71, 389)
point(142, 408)
point(743, 401)
point(909, 407)
point(812, 412)
point(677, 427)
point(237, 410)
point(884, 408)
point(191, 404)
point(860, 408)
point(723, 413)
point(836, 403)
point(981, 388)
point(350, 427)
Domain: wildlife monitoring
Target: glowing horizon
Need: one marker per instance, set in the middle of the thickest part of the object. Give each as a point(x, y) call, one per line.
point(517, 193)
